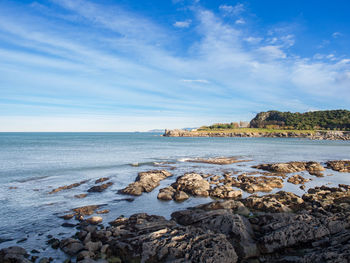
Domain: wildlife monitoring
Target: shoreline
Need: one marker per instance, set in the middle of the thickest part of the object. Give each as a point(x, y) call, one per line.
point(256, 228)
point(317, 135)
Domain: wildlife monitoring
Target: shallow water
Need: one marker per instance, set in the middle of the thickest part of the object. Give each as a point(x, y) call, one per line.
point(35, 163)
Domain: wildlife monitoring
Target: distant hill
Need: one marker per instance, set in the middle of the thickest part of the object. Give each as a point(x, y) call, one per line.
point(314, 120)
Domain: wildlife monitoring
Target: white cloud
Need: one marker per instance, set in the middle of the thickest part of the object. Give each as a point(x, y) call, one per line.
point(336, 34)
point(272, 52)
point(183, 24)
point(240, 21)
point(204, 81)
point(253, 40)
point(235, 10)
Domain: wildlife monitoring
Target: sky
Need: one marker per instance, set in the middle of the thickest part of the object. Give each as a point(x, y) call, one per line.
point(76, 65)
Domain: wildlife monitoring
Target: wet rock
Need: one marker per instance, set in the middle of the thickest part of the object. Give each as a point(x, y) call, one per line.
point(166, 193)
point(65, 187)
point(146, 182)
point(225, 192)
point(105, 211)
point(54, 242)
point(80, 196)
point(93, 246)
point(85, 254)
point(339, 166)
point(86, 210)
point(100, 188)
point(94, 220)
point(292, 167)
point(14, 254)
point(192, 184)
point(218, 160)
point(101, 180)
point(297, 179)
point(68, 225)
point(181, 196)
point(71, 246)
point(68, 216)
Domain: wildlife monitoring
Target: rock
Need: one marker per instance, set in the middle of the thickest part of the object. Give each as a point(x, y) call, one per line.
point(67, 217)
point(193, 184)
point(85, 254)
point(101, 180)
point(71, 246)
point(67, 187)
point(217, 160)
point(80, 196)
point(297, 179)
point(105, 211)
point(93, 246)
point(339, 166)
point(154, 238)
point(68, 225)
point(292, 167)
point(166, 193)
point(14, 254)
point(86, 210)
point(253, 184)
point(225, 192)
point(94, 220)
point(100, 188)
point(181, 196)
point(280, 202)
point(146, 182)
point(44, 260)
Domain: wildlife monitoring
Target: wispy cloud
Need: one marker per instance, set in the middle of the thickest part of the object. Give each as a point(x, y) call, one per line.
point(183, 24)
point(106, 61)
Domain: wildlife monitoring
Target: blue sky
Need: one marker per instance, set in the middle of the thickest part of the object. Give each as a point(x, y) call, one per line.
point(73, 65)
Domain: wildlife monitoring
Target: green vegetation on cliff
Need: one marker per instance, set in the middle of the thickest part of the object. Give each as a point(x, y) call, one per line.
point(276, 120)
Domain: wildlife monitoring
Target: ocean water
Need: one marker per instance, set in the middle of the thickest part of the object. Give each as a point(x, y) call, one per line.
point(35, 163)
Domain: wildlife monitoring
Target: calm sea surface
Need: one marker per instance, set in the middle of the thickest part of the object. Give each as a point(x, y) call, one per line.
point(35, 163)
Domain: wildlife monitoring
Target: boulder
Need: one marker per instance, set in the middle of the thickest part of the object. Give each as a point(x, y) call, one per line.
point(193, 184)
point(95, 220)
point(339, 166)
point(71, 246)
point(146, 182)
point(297, 179)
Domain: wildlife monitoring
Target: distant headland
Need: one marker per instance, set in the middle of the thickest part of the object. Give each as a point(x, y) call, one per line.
point(317, 125)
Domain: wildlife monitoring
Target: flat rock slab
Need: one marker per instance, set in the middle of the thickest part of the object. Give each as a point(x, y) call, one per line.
point(218, 160)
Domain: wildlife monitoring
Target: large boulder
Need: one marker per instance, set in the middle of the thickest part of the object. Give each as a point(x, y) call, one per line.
point(193, 184)
point(146, 182)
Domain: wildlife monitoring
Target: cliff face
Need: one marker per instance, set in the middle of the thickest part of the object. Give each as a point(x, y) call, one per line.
point(320, 135)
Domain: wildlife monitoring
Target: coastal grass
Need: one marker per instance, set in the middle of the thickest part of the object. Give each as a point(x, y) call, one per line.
point(254, 130)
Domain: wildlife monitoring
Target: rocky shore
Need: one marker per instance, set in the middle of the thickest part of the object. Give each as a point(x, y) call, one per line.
point(275, 227)
point(318, 135)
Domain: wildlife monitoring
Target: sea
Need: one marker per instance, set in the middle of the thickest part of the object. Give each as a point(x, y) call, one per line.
point(33, 164)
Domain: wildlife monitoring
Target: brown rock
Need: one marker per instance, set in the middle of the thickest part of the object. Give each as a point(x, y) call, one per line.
point(218, 160)
point(297, 179)
point(146, 182)
point(192, 184)
point(340, 166)
point(101, 180)
point(100, 188)
point(67, 187)
point(181, 196)
point(94, 220)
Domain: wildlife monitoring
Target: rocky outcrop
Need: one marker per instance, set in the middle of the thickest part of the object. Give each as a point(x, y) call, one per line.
point(279, 227)
point(100, 188)
point(217, 160)
point(315, 135)
point(146, 182)
point(297, 179)
point(66, 187)
point(252, 184)
point(314, 168)
point(339, 166)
